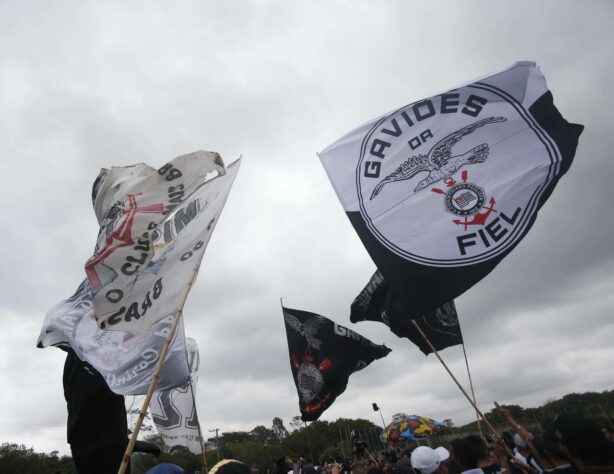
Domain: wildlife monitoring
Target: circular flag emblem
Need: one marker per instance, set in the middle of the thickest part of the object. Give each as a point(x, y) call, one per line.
point(454, 180)
point(464, 199)
point(310, 381)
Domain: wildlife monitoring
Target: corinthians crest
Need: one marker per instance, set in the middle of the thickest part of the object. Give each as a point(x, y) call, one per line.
point(466, 200)
point(440, 163)
point(309, 376)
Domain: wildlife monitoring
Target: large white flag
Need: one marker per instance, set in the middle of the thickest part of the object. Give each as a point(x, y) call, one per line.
point(154, 228)
point(173, 411)
point(126, 361)
point(440, 190)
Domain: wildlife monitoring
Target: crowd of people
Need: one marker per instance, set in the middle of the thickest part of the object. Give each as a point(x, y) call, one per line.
point(565, 445)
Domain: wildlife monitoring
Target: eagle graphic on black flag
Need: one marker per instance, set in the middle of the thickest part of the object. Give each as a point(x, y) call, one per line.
point(323, 355)
point(377, 302)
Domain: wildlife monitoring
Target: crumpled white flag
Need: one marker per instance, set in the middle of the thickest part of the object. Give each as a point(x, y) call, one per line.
point(154, 228)
point(126, 361)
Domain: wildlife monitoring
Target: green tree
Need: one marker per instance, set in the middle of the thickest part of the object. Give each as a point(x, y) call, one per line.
point(263, 435)
point(16, 458)
point(233, 437)
point(279, 429)
point(448, 423)
point(296, 423)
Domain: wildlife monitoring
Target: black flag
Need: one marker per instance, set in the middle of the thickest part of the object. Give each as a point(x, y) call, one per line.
point(323, 355)
point(442, 189)
point(440, 326)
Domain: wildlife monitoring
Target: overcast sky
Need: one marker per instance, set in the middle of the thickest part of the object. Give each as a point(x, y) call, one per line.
point(85, 85)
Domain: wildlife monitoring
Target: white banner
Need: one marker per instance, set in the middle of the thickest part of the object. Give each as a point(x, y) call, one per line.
point(173, 411)
point(126, 361)
point(442, 189)
point(154, 228)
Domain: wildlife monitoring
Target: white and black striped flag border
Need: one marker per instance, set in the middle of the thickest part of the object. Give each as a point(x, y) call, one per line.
point(442, 189)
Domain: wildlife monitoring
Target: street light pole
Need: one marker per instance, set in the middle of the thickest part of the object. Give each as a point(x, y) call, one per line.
point(376, 408)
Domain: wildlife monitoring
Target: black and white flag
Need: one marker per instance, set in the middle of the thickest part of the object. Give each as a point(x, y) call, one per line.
point(323, 355)
point(442, 189)
point(441, 326)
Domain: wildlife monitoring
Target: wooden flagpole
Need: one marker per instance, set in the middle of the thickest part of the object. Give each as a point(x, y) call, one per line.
point(154, 378)
point(203, 458)
point(477, 410)
point(471, 386)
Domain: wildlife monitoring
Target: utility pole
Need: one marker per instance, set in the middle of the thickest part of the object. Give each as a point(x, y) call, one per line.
point(217, 442)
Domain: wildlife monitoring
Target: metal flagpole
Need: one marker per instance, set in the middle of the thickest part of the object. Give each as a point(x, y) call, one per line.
point(477, 416)
point(377, 408)
point(203, 458)
point(154, 378)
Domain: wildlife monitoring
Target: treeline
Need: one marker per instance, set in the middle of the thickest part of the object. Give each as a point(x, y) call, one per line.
point(316, 442)
point(595, 405)
point(19, 459)
point(322, 440)
point(263, 446)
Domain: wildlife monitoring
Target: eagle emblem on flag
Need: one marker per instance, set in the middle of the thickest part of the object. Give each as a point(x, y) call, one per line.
point(439, 162)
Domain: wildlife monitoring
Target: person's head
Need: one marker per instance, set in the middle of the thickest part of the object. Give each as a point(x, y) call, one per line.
point(444, 455)
point(229, 466)
point(491, 446)
point(463, 454)
point(281, 466)
point(582, 440)
point(425, 460)
point(480, 448)
point(166, 468)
